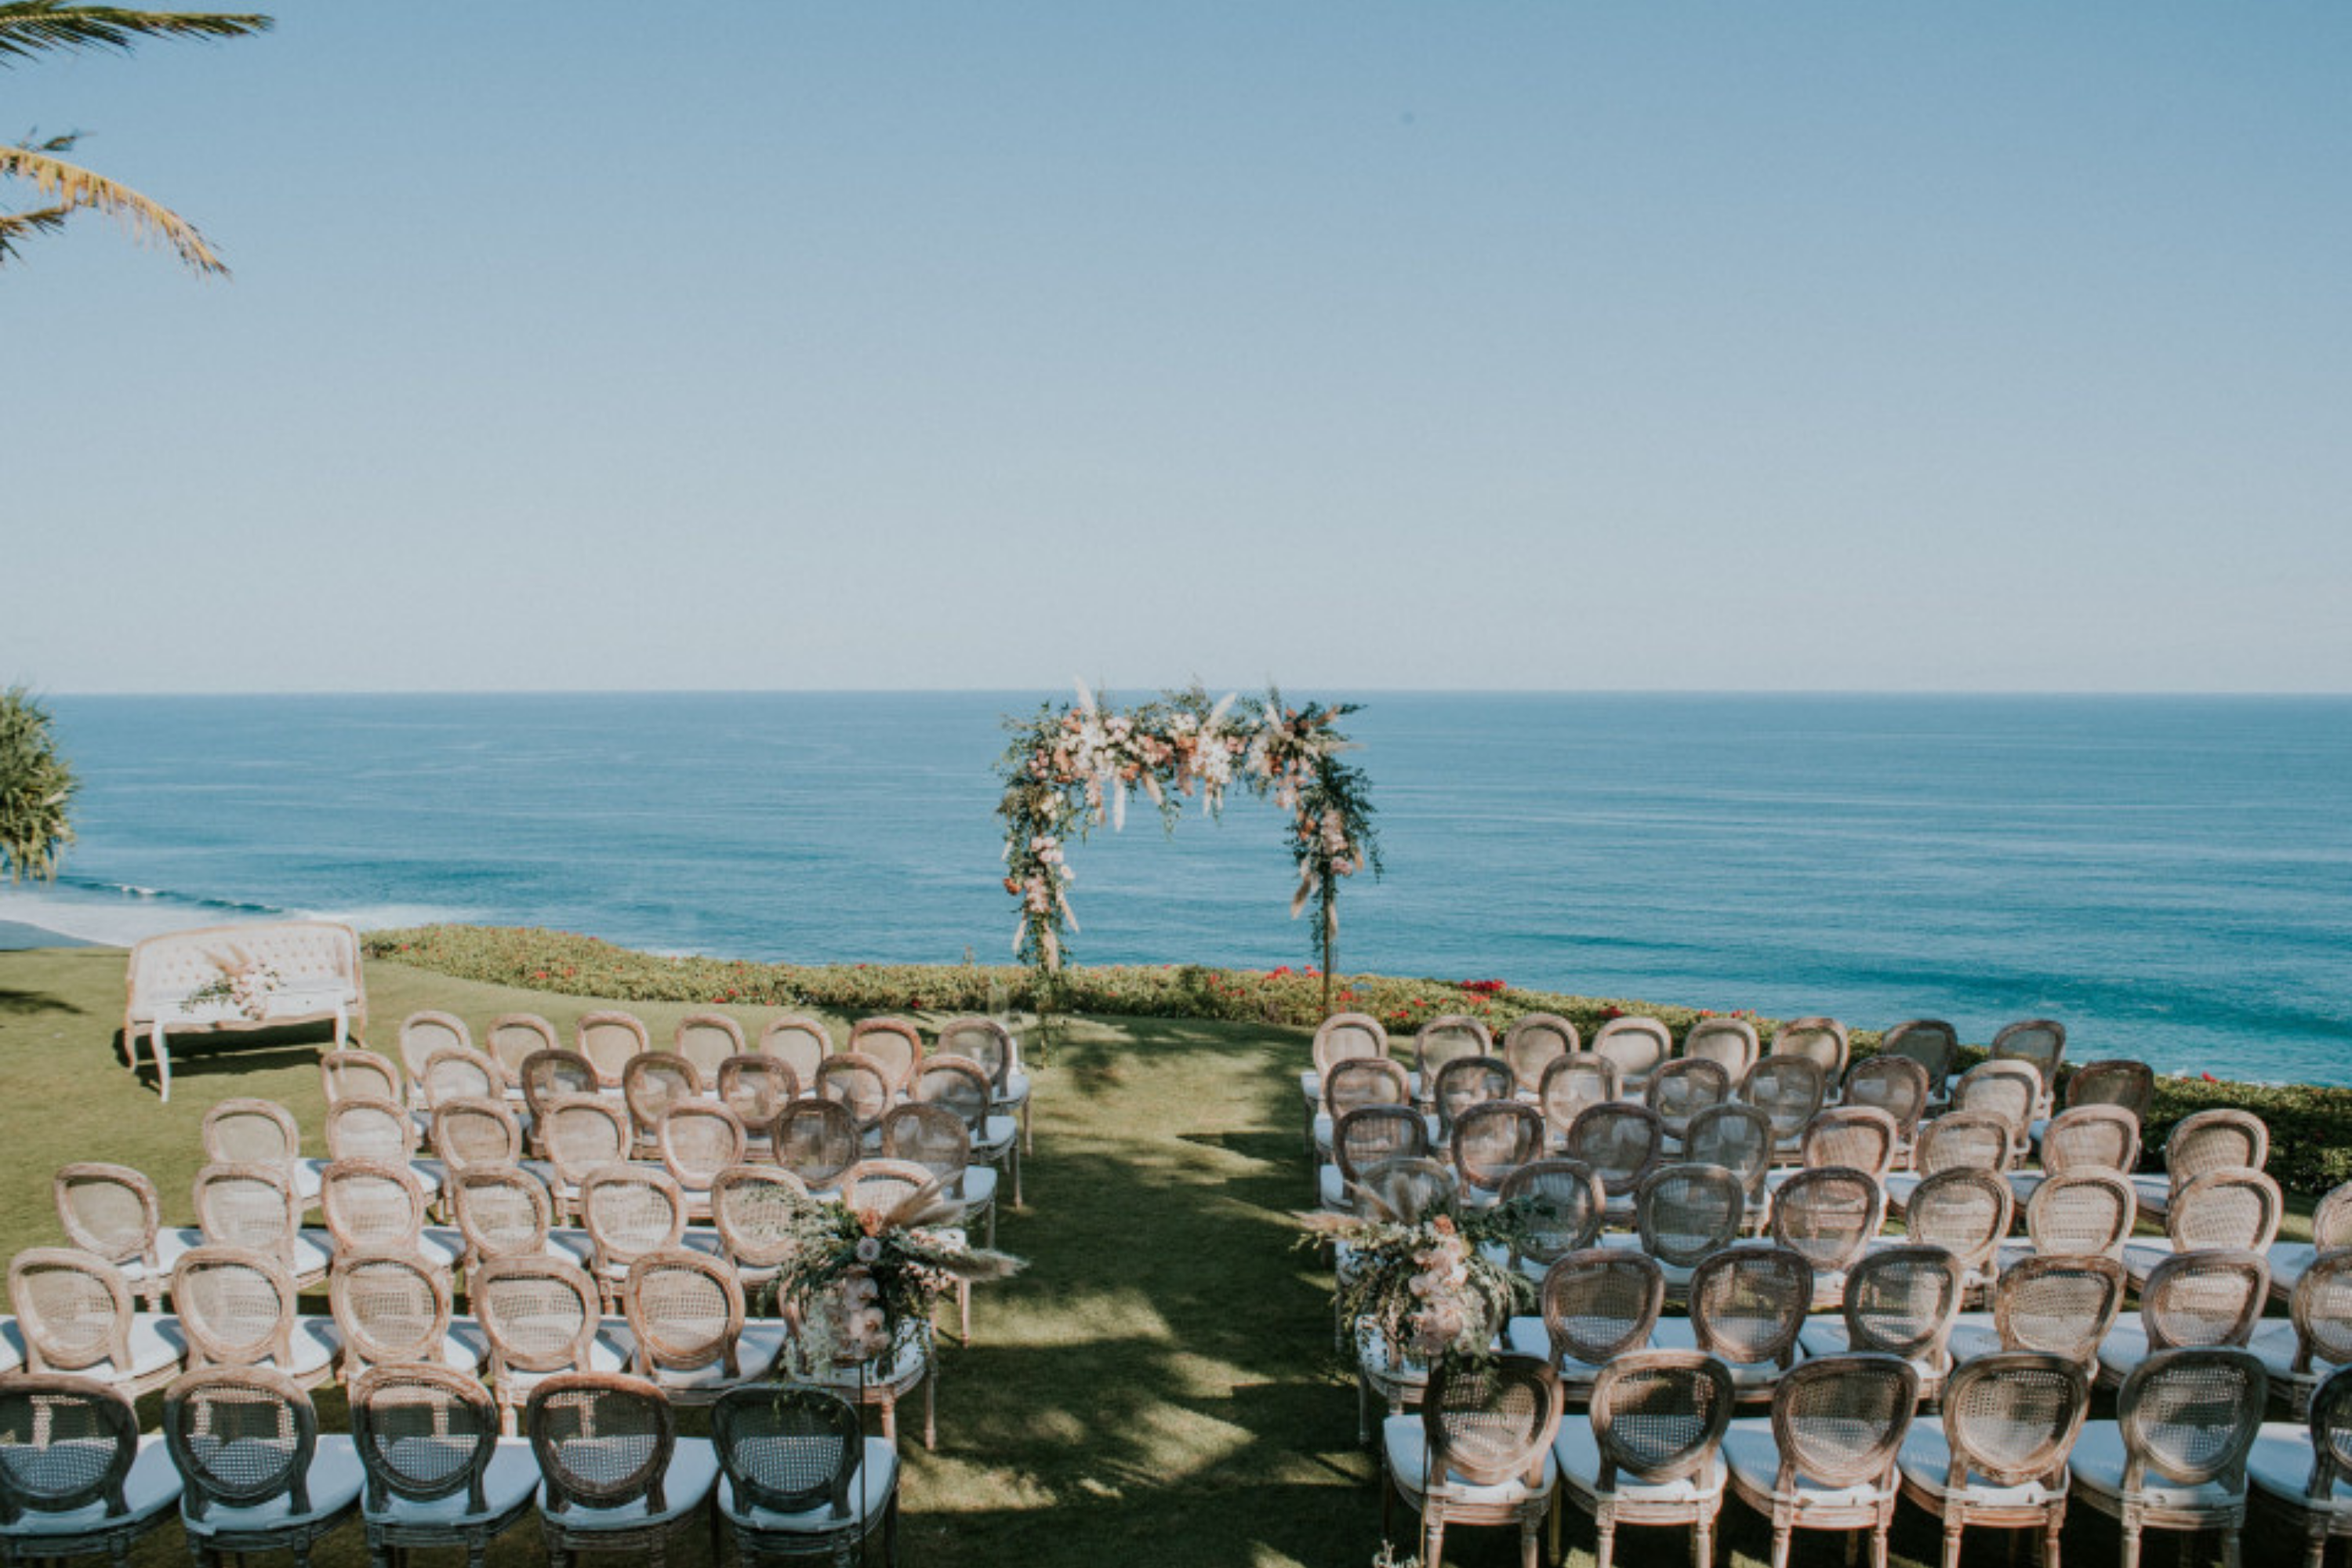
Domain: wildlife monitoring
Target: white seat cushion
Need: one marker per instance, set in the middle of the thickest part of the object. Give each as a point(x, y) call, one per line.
point(1334, 1188)
point(906, 1367)
point(335, 1482)
point(2142, 1254)
point(1528, 1336)
point(152, 1486)
point(1016, 1088)
point(158, 1343)
point(2288, 1261)
point(2125, 1348)
point(613, 1350)
point(2275, 1342)
point(1926, 1461)
point(12, 1345)
point(511, 1482)
point(1577, 1454)
point(1677, 1334)
point(1310, 1086)
point(1407, 1446)
point(1973, 1334)
point(693, 1470)
point(869, 1495)
point(979, 1185)
point(2279, 1465)
point(1899, 1184)
point(1755, 1459)
point(2153, 1190)
point(756, 1353)
point(2097, 1464)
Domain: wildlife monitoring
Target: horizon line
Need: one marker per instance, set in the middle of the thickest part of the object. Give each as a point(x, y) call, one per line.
point(2053, 692)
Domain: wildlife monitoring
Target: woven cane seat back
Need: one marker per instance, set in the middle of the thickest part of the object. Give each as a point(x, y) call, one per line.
point(2331, 1432)
point(235, 1306)
point(72, 1308)
point(582, 1134)
point(251, 1133)
point(424, 1033)
point(1408, 1187)
point(1737, 1137)
point(462, 1075)
point(358, 1074)
point(1467, 1081)
point(2092, 1137)
point(1896, 1085)
point(1902, 1300)
point(2191, 1414)
point(1639, 1047)
point(1855, 1138)
point(685, 1310)
point(601, 1440)
point(2012, 1417)
point(2040, 1043)
point(631, 1210)
point(2321, 1308)
point(1533, 1042)
point(1600, 1302)
point(859, 1082)
point(551, 1074)
point(608, 1040)
point(1977, 1140)
point(423, 1432)
point(248, 1205)
point(109, 1211)
point(707, 1039)
point(539, 1314)
point(1445, 1038)
point(2331, 1222)
point(2204, 1298)
point(1686, 1212)
point(2082, 1212)
point(64, 1443)
point(1659, 1415)
point(372, 1203)
point(1934, 1044)
point(1572, 1085)
point(1564, 1207)
point(2009, 1089)
point(502, 1212)
point(873, 1186)
point(1621, 1142)
point(1493, 1138)
point(1348, 1036)
point(240, 1437)
point(2126, 1084)
point(2061, 1306)
point(370, 1129)
point(1356, 1082)
point(696, 1141)
point(800, 1042)
point(930, 1136)
point(2225, 1208)
point(1787, 1088)
point(1827, 1214)
point(389, 1307)
point(788, 1450)
point(653, 1082)
point(515, 1036)
point(815, 1140)
point(1820, 1040)
point(1683, 1088)
point(1371, 1133)
point(1489, 1421)
point(1729, 1043)
point(1748, 1303)
point(1839, 1420)
point(956, 1085)
point(984, 1042)
point(753, 1207)
point(894, 1043)
point(1966, 1211)
point(2215, 1140)
point(755, 1087)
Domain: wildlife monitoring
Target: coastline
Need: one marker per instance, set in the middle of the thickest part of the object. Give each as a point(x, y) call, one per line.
point(16, 936)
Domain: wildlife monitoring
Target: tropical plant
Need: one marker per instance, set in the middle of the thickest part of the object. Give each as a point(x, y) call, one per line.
point(36, 786)
point(29, 26)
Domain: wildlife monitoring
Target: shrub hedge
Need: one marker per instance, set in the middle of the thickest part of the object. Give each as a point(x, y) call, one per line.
point(2311, 1129)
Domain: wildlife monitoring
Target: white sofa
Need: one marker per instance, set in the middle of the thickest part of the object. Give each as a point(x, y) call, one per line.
point(317, 965)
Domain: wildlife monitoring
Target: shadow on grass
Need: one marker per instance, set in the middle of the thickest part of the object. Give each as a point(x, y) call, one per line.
point(25, 1004)
point(230, 1052)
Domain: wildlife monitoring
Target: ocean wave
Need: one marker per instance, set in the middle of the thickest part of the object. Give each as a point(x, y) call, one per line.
point(117, 914)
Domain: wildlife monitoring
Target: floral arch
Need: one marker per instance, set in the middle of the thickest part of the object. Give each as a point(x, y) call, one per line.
point(1072, 767)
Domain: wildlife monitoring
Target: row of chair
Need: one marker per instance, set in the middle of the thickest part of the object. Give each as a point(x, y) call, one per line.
point(243, 1466)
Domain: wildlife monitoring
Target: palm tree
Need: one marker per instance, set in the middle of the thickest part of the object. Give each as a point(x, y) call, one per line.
point(36, 786)
point(29, 26)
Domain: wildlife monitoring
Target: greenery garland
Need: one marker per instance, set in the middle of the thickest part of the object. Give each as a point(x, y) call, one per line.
point(1070, 768)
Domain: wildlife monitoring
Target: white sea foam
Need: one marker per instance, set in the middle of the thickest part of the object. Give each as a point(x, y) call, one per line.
point(120, 915)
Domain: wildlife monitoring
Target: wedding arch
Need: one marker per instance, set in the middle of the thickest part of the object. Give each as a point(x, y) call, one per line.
point(1070, 768)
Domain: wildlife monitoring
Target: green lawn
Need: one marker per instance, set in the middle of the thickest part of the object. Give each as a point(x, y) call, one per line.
point(1158, 1387)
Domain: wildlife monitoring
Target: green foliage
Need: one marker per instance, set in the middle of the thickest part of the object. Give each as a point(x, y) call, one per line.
point(37, 787)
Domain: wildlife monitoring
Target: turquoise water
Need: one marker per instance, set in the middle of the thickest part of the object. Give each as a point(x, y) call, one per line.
point(2172, 877)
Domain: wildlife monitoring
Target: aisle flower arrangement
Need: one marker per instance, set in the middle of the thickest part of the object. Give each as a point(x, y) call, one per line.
point(1423, 1284)
point(857, 1277)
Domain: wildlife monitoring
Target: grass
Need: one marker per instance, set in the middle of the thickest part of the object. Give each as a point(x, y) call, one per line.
point(1156, 1388)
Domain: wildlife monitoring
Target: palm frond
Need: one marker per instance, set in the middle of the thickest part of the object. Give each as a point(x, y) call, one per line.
point(17, 227)
point(69, 186)
point(29, 26)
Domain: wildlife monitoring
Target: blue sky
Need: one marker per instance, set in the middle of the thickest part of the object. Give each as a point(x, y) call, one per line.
point(1573, 346)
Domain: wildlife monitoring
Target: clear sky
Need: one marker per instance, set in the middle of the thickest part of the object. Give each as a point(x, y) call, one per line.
point(1546, 345)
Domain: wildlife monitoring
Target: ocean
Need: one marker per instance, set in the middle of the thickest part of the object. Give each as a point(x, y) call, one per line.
point(2171, 877)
